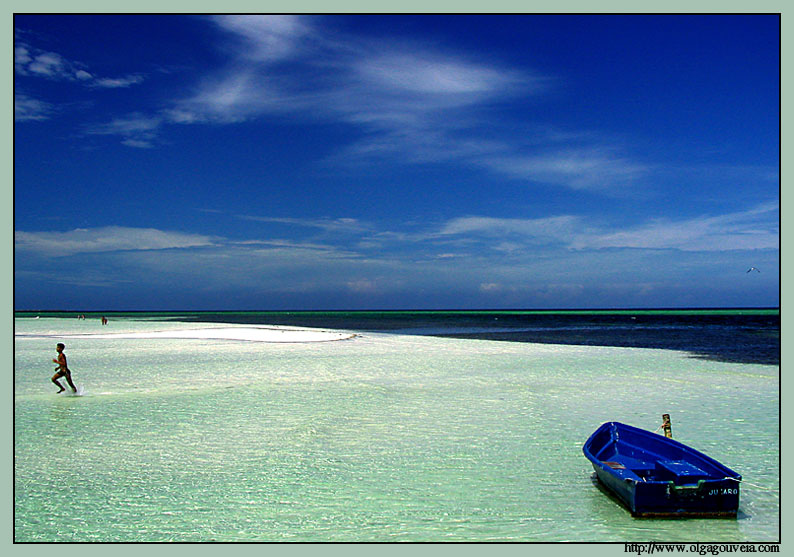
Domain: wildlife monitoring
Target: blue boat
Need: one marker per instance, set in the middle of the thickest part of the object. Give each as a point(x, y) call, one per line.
point(658, 477)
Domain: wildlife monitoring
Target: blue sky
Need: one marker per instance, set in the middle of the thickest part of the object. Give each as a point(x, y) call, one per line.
point(355, 162)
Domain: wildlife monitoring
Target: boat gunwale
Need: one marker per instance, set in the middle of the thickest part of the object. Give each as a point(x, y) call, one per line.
point(616, 426)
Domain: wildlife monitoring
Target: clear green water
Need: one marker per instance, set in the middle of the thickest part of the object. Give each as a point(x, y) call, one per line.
point(381, 438)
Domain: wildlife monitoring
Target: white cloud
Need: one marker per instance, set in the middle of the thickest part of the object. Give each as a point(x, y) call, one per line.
point(413, 265)
point(281, 244)
point(559, 228)
point(579, 168)
point(115, 83)
point(413, 101)
point(34, 62)
point(107, 239)
point(249, 86)
point(136, 130)
point(134, 123)
point(51, 65)
point(27, 108)
point(413, 98)
point(22, 57)
point(342, 224)
point(423, 73)
point(464, 238)
point(239, 95)
point(754, 229)
point(138, 143)
point(268, 38)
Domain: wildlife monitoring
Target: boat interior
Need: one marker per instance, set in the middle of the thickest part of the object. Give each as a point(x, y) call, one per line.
point(676, 471)
point(668, 464)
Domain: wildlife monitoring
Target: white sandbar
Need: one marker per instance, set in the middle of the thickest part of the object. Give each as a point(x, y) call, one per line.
point(253, 334)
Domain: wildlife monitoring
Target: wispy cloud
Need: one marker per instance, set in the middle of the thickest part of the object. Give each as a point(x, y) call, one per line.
point(234, 97)
point(559, 228)
point(136, 130)
point(408, 87)
point(754, 229)
point(27, 108)
point(117, 82)
point(254, 82)
point(342, 224)
point(579, 168)
point(494, 260)
point(414, 102)
point(107, 239)
point(31, 62)
point(267, 38)
point(281, 244)
point(34, 62)
point(424, 73)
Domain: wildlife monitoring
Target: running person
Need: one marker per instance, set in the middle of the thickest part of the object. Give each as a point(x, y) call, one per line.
point(62, 370)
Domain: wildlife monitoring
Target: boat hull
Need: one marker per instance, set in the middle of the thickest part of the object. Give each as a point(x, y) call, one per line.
point(657, 477)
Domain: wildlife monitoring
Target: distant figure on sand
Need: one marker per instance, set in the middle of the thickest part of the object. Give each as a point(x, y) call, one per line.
point(104, 320)
point(62, 370)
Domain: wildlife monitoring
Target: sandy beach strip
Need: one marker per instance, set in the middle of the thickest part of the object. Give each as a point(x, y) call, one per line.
point(250, 334)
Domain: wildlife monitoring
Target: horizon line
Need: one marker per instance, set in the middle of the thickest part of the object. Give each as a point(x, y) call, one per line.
point(407, 310)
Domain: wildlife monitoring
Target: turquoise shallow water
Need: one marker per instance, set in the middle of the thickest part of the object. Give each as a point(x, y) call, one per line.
point(379, 438)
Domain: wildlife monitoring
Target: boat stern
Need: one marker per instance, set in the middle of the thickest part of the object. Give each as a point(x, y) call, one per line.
point(706, 498)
